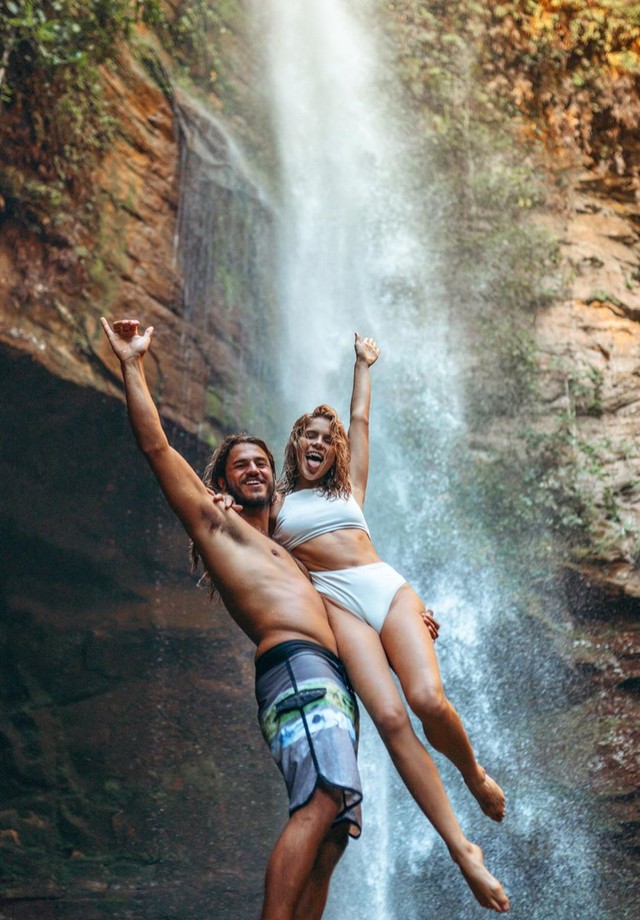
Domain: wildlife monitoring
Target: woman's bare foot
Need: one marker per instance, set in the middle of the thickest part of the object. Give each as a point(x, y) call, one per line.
point(489, 795)
point(487, 890)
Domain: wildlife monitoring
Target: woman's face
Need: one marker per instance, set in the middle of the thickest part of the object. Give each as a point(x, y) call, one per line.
point(315, 452)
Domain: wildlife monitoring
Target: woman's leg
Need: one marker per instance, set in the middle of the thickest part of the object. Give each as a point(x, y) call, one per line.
point(361, 651)
point(410, 649)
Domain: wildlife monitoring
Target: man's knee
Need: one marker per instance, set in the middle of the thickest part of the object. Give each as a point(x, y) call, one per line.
point(340, 837)
point(335, 845)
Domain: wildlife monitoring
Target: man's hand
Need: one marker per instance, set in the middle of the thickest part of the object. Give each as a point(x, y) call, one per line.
point(367, 350)
point(432, 625)
point(125, 340)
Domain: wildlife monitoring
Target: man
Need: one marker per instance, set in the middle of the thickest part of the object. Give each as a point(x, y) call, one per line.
point(307, 711)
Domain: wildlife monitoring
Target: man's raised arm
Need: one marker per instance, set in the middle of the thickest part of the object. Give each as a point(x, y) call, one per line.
point(183, 489)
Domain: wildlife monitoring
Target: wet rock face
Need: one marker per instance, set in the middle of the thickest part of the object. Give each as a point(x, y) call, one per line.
point(59, 271)
point(604, 651)
point(590, 360)
point(133, 771)
point(116, 254)
point(134, 778)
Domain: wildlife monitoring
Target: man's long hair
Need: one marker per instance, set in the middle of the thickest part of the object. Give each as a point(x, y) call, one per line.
point(336, 482)
point(216, 469)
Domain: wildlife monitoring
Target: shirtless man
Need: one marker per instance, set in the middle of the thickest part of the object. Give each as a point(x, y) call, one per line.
point(307, 710)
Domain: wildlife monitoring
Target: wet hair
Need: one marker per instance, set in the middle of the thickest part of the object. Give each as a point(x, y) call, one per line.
point(336, 482)
point(216, 469)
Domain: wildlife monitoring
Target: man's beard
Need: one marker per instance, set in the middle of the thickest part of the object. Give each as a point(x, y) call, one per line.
point(263, 501)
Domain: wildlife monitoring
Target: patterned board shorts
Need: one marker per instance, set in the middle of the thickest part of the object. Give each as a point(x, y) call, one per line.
point(308, 715)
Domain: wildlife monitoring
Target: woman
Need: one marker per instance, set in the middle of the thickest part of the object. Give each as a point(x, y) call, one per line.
point(378, 619)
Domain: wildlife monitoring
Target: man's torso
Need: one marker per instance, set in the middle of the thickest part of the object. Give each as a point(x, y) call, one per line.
point(262, 587)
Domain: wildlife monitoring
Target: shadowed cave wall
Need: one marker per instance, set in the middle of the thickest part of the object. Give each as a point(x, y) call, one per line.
point(129, 745)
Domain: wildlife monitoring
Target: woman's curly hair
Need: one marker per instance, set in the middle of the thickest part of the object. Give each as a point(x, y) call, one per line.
point(216, 469)
point(336, 482)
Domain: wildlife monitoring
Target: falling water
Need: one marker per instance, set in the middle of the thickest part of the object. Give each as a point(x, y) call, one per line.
point(224, 251)
point(358, 251)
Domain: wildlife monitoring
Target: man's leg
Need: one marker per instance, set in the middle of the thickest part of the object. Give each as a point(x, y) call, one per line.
point(314, 897)
point(294, 856)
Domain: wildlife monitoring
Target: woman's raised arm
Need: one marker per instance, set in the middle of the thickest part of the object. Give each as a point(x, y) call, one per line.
point(367, 353)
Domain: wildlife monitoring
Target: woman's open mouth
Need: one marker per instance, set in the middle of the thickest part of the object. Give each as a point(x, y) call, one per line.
point(314, 460)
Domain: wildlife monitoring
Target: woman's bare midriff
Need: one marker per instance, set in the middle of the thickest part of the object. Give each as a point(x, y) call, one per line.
point(340, 549)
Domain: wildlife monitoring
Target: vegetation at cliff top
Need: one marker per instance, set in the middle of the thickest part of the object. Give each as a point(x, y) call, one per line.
point(574, 67)
point(54, 120)
point(571, 68)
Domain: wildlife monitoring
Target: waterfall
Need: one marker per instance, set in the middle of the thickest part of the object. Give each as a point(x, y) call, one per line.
point(224, 250)
point(358, 250)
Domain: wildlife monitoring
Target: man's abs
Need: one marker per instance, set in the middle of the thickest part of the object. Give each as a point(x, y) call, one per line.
point(274, 614)
point(266, 593)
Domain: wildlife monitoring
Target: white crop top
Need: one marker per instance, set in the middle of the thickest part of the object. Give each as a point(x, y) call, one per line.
point(307, 513)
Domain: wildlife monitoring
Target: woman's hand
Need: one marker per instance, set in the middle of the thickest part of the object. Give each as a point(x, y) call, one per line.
point(366, 350)
point(227, 501)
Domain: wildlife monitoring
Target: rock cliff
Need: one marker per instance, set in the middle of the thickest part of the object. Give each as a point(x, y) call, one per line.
point(120, 683)
point(589, 368)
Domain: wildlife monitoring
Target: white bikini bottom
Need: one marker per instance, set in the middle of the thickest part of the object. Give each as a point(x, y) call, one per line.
point(365, 590)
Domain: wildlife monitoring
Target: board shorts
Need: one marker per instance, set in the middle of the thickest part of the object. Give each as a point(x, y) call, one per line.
point(308, 716)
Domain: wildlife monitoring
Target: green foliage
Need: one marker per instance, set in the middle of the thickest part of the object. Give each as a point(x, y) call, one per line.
point(542, 496)
point(54, 120)
point(501, 266)
point(492, 86)
point(584, 388)
point(196, 33)
point(570, 67)
point(573, 67)
point(51, 33)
